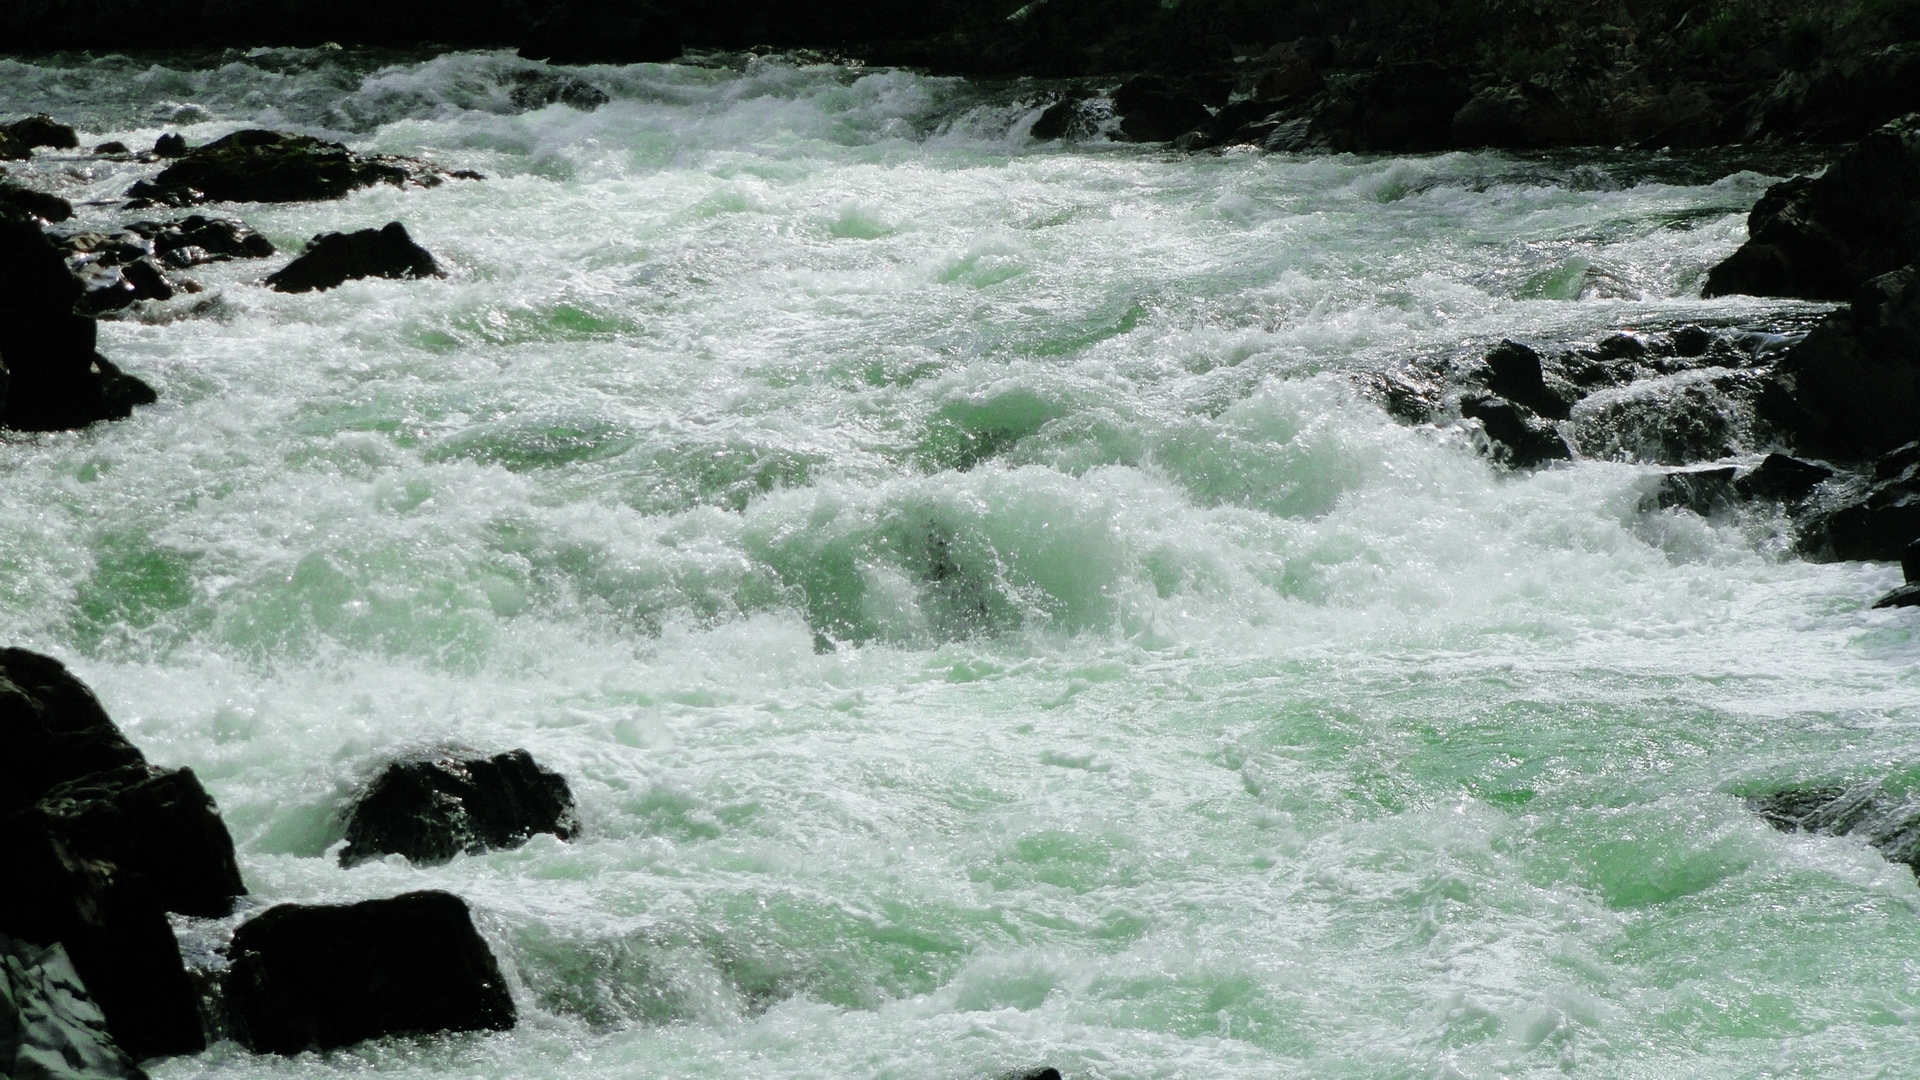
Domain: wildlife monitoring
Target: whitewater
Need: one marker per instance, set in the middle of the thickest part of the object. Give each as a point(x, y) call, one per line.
point(981, 615)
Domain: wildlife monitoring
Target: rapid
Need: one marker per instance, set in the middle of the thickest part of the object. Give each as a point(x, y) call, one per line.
point(982, 619)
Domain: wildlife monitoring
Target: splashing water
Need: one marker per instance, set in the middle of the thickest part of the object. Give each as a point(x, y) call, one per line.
point(981, 622)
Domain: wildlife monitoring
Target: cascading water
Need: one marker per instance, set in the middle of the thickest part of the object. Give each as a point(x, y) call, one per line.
point(981, 620)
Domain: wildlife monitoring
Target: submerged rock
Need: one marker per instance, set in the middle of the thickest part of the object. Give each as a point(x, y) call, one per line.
point(432, 810)
point(41, 130)
point(316, 977)
point(1521, 439)
point(537, 89)
point(333, 258)
point(1890, 824)
point(55, 379)
point(1822, 239)
point(256, 165)
point(1852, 387)
point(50, 1028)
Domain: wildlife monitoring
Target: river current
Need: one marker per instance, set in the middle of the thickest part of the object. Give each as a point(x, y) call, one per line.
point(982, 623)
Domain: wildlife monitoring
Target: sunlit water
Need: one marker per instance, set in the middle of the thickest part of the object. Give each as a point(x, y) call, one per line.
point(980, 620)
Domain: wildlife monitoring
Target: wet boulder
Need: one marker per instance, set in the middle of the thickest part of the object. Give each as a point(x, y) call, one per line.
point(1877, 520)
point(157, 823)
point(1514, 372)
point(111, 147)
point(333, 258)
point(55, 378)
point(1782, 478)
point(1853, 384)
point(1891, 824)
point(1520, 438)
point(1152, 110)
point(50, 1028)
point(1904, 596)
point(52, 730)
point(12, 149)
point(315, 977)
point(433, 809)
point(41, 130)
point(1824, 238)
point(50, 208)
point(1704, 491)
point(197, 239)
point(170, 145)
point(256, 165)
point(110, 287)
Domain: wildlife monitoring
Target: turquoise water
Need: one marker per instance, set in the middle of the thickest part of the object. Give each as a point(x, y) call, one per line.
point(982, 622)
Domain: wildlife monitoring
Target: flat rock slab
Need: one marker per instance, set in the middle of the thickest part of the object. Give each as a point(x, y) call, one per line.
point(316, 977)
point(432, 810)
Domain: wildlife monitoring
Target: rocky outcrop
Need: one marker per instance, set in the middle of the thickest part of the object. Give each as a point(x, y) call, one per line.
point(50, 1029)
point(1866, 811)
point(538, 89)
point(1852, 387)
point(41, 130)
point(55, 378)
point(256, 165)
point(96, 847)
point(1824, 238)
point(333, 258)
point(316, 977)
point(433, 809)
point(117, 268)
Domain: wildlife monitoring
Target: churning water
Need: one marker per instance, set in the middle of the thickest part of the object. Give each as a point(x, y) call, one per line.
point(980, 619)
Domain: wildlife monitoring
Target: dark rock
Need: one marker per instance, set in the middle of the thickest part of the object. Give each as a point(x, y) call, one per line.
point(1904, 596)
point(147, 282)
point(333, 258)
point(431, 810)
point(1521, 439)
point(42, 131)
point(1065, 118)
point(317, 977)
point(1781, 477)
point(1878, 521)
point(1406, 107)
point(1855, 380)
point(1527, 117)
point(12, 149)
point(52, 730)
point(1036, 1074)
point(1514, 372)
point(196, 239)
point(1675, 420)
point(1151, 110)
point(158, 824)
point(1704, 491)
point(170, 145)
point(46, 207)
point(50, 1028)
point(1910, 562)
point(112, 147)
point(538, 89)
point(1891, 825)
point(1839, 100)
point(604, 32)
point(1292, 75)
point(55, 379)
point(273, 166)
point(1822, 239)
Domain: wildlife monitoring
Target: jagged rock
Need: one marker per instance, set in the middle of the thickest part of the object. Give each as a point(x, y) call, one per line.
point(1822, 239)
point(1521, 439)
point(1854, 381)
point(1891, 825)
point(1525, 117)
point(170, 145)
point(112, 287)
point(1151, 110)
point(41, 130)
point(50, 1028)
point(316, 977)
point(55, 379)
point(1778, 476)
point(256, 165)
point(46, 207)
point(1063, 119)
point(1904, 596)
point(537, 89)
point(96, 846)
point(604, 32)
point(1876, 522)
point(1704, 491)
point(333, 258)
point(434, 809)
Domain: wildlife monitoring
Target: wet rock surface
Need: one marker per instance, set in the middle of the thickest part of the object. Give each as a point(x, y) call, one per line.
point(42, 130)
point(434, 809)
point(1824, 238)
point(51, 208)
point(316, 977)
point(97, 846)
point(50, 1028)
point(55, 378)
point(256, 165)
point(1853, 386)
point(1890, 823)
point(331, 259)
